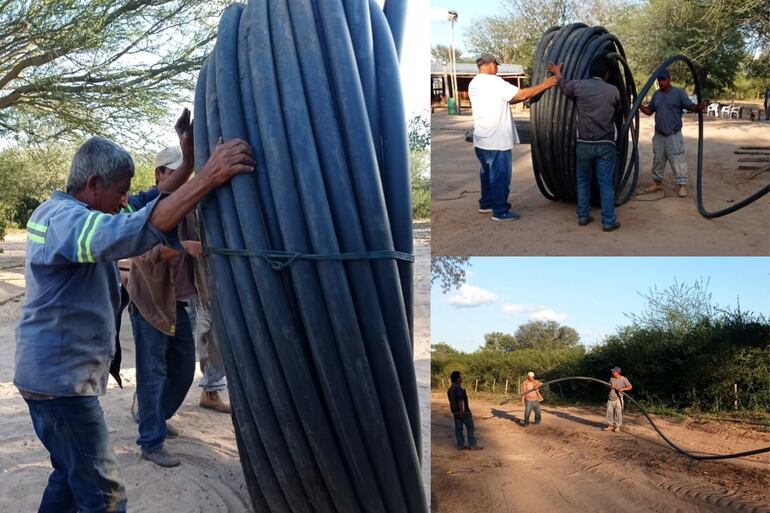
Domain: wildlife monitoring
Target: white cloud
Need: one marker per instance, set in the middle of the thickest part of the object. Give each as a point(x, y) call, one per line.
point(547, 314)
point(537, 313)
point(516, 309)
point(470, 296)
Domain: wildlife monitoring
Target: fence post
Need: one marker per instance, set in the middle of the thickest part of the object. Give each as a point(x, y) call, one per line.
point(442, 383)
point(476, 389)
point(735, 391)
point(506, 386)
point(494, 381)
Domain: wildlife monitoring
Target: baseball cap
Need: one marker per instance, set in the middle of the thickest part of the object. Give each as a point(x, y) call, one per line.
point(531, 374)
point(170, 157)
point(486, 58)
point(615, 369)
point(664, 74)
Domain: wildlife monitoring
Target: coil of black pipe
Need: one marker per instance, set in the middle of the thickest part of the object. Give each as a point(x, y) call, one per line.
point(553, 125)
point(318, 353)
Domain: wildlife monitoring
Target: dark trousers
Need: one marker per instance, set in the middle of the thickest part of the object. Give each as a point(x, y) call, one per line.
point(495, 176)
point(85, 477)
point(529, 408)
point(467, 421)
point(165, 367)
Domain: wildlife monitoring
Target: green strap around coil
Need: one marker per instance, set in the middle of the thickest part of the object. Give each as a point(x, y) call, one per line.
point(280, 260)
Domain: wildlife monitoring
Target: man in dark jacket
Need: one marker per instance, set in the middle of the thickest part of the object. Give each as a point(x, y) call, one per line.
point(458, 404)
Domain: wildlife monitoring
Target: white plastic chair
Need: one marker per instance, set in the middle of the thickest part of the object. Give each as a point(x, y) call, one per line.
point(725, 112)
point(735, 109)
point(713, 108)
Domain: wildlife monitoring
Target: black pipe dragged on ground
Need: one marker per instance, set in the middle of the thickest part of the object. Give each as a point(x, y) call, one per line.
point(310, 255)
point(675, 447)
point(552, 116)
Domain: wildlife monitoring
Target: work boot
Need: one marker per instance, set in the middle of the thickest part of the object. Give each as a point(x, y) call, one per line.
point(161, 457)
point(212, 401)
point(584, 221)
point(682, 191)
point(655, 187)
point(475, 448)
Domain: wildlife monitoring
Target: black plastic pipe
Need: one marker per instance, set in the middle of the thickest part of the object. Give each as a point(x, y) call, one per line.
point(553, 116)
point(323, 387)
point(675, 447)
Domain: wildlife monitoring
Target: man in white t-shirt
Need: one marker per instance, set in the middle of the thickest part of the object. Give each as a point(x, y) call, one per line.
point(494, 133)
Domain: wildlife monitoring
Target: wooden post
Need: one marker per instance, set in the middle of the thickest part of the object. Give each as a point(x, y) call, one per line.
point(506, 386)
point(735, 391)
point(442, 383)
point(476, 389)
point(494, 381)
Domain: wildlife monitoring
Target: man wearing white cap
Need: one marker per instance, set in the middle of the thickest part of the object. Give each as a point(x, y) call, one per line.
point(161, 285)
point(531, 399)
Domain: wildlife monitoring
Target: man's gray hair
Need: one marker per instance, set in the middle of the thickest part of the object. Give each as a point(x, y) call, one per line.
point(98, 157)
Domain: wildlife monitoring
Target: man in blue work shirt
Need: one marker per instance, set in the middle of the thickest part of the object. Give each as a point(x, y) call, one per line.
point(65, 339)
point(668, 143)
point(597, 104)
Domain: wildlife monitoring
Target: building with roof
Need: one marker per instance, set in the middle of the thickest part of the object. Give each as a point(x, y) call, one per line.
point(441, 83)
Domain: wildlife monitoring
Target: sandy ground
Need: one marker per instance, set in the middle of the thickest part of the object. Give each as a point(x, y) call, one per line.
point(568, 464)
point(652, 224)
point(210, 478)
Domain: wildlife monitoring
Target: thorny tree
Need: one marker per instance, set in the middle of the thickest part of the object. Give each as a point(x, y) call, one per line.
point(97, 66)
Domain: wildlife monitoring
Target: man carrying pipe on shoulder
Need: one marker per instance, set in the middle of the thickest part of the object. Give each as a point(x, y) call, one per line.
point(667, 104)
point(66, 337)
point(618, 385)
point(494, 133)
point(597, 103)
point(458, 405)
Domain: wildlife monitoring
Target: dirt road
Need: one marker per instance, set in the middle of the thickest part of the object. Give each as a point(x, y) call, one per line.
point(652, 224)
point(210, 479)
point(568, 464)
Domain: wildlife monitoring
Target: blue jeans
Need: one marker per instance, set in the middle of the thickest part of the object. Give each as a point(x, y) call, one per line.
point(529, 408)
point(495, 178)
point(600, 158)
point(467, 420)
point(165, 367)
point(85, 477)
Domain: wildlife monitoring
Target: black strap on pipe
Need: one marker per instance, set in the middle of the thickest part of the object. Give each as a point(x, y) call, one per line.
point(280, 260)
point(553, 116)
point(652, 423)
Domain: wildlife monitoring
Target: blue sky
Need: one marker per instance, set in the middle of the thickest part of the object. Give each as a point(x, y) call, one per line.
point(590, 294)
point(441, 32)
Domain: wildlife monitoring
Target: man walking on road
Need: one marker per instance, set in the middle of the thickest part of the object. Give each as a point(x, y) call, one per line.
point(668, 143)
point(532, 398)
point(618, 385)
point(458, 404)
point(494, 133)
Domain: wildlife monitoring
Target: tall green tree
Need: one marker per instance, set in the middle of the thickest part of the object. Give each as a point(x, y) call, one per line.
point(97, 66)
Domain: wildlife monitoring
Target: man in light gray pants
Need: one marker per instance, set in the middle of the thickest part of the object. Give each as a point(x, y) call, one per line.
point(668, 143)
point(618, 385)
